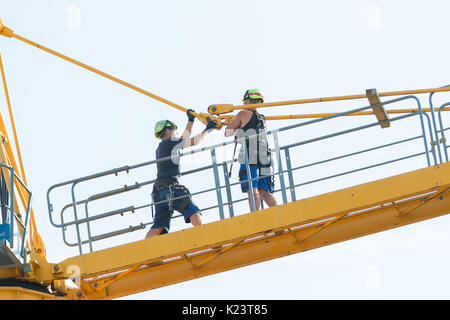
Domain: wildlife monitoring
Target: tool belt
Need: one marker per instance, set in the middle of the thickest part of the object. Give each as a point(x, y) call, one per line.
point(162, 183)
point(174, 190)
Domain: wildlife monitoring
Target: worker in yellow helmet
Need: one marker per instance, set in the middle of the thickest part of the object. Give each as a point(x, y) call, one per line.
point(250, 123)
point(166, 186)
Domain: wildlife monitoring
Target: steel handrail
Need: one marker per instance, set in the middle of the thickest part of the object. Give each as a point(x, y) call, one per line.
point(218, 187)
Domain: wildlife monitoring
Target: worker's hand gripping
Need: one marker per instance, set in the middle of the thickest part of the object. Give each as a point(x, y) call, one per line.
point(210, 126)
point(206, 119)
point(190, 114)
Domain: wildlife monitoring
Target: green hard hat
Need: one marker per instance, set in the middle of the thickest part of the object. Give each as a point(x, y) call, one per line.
point(161, 125)
point(253, 94)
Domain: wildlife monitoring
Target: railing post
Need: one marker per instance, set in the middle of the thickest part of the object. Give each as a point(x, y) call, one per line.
point(290, 177)
point(249, 176)
point(11, 207)
point(228, 189)
point(435, 125)
point(77, 227)
point(217, 181)
point(88, 225)
point(280, 165)
point(423, 130)
point(25, 231)
point(432, 142)
point(443, 138)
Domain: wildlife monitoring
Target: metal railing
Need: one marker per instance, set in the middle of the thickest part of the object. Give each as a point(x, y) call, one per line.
point(425, 140)
point(11, 221)
point(441, 127)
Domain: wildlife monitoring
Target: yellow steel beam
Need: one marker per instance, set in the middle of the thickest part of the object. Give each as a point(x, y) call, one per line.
point(268, 247)
point(10, 272)
point(227, 108)
point(264, 235)
point(35, 238)
point(9, 33)
point(18, 293)
point(213, 109)
point(317, 229)
point(438, 193)
point(361, 113)
point(13, 125)
point(203, 117)
point(225, 120)
point(222, 251)
point(7, 157)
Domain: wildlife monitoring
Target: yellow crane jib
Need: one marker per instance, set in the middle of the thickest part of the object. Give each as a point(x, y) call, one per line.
point(5, 31)
point(205, 118)
point(9, 33)
point(218, 109)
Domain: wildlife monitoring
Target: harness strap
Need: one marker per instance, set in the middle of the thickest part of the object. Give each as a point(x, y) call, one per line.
point(170, 196)
point(184, 202)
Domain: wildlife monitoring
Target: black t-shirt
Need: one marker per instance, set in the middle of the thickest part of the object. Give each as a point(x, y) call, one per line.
point(169, 169)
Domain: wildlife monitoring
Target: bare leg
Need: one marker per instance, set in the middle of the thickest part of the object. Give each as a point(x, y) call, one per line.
point(255, 197)
point(196, 219)
point(153, 232)
point(267, 198)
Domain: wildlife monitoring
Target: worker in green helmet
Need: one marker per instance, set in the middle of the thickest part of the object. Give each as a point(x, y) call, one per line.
point(166, 186)
point(251, 124)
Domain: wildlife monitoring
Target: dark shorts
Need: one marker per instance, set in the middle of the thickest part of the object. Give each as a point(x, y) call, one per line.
point(263, 183)
point(163, 213)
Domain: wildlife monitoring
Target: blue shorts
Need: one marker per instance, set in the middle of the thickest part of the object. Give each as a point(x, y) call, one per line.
point(163, 213)
point(263, 183)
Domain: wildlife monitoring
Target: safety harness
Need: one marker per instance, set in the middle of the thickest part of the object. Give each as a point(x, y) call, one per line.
point(172, 185)
point(254, 133)
point(261, 156)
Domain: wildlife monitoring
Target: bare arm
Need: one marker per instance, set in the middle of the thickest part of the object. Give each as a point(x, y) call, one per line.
point(241, 119)
point(188, 142)
point(187, 131)
point(201, 136)
point(234, 125)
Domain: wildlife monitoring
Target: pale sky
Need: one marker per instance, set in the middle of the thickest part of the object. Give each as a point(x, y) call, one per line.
point(72, 123)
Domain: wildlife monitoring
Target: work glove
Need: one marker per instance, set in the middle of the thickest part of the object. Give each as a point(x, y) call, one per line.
point(211, 125)
point(190, 116)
